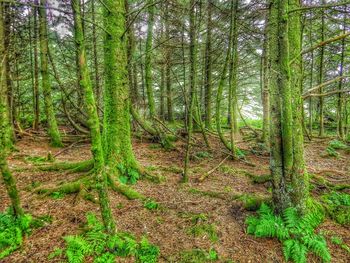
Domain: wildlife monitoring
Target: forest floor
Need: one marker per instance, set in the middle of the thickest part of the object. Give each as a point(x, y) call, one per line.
point(170, 226)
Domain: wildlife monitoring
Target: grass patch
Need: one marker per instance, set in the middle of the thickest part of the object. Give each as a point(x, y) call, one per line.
point(196, 256)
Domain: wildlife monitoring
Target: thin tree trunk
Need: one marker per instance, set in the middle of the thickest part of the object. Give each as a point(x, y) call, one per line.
point(320, 76)
point(265, 89)
point(95, 55)
point(208, 70)
point(340, 102)
point(46, 84)
point(36, 73)
point(170, 112)
point(192, 90)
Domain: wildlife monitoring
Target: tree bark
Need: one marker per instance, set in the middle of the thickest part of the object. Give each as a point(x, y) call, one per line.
point(46, 84)
point(93, 120)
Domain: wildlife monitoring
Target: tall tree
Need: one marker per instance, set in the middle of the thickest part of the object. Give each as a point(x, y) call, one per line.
point(93, 120)
point(287, 163)
point(46, 83)
point(321, 74)
point(208, 68)
point(9, 180)
point(192, 83)
point(116, 134)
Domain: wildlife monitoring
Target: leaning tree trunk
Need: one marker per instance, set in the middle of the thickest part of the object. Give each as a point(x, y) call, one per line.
point(93, 120)
point(9, 180)
point(46, 84)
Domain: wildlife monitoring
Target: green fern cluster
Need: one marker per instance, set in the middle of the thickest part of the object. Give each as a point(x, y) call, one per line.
point(128, 175)
point(337, 145)
point(95, 242)
point(12, 230)
point(296, 233)
point(338, 207)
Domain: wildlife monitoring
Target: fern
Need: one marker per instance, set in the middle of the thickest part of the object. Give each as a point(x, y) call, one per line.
point(12, 230)
point(95, 242)
point(295, 232)
point(338, 207)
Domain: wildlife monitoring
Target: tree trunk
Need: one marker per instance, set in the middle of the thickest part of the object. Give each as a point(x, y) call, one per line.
point(36, 73)
point(170, 115)
point(192, 90)
point(208, 70)
point(46, 84)
point(340, 102)
point(8, 179)
point(95, 56)
point(320, 76)
point(117, 134)
point(93, 120)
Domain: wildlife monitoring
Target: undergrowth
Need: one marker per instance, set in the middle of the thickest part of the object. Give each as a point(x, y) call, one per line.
point(103, 248)
point(12, 231)
point(338, 207)
point(296, 233)
point(128, 175)
point(196, 256)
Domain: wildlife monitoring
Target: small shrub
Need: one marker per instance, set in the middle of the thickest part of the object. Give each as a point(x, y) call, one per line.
point(337, 145)
point(338, 207)
point(297, 234)
point(57, 195)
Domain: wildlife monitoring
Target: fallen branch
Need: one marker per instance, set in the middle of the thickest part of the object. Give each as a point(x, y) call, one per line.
point(201, 179)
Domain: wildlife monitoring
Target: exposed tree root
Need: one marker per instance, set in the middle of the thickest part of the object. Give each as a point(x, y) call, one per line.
point(324, 182)
point(73, 167)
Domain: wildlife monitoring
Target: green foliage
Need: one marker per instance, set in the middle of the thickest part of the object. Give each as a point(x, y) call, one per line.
point(201, 227)
point(56, 253)
point(338, 207)
point(95, 242)
point(197, 256)
point(332, 152)
point(150, 204)
point(128, 175)
point(12, 230)
point(296, 233)
point(202, 155)
point(339, 241)
point(57, 195)
point(337, 145)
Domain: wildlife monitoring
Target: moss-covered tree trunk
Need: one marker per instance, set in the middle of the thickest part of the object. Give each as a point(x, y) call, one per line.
point(208, 69)
point(116, 134)
point(299, 177)
point(290, 184)
point(36, 72)
point(265, 89)
point(192, 83)
point(321, 76)
point(233, 77)
point(148, 59)
point(45, 78)
point(93, 120)
point(169, 95)
point(219, 96)
point(340, 98)
point(9, 180)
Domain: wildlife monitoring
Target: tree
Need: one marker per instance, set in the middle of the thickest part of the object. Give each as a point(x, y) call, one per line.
point(46, 83)
point(94, 123)
point(290, 185)
point(9, 180)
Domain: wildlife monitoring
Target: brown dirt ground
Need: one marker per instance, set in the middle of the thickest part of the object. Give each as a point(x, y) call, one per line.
point(165, 227)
